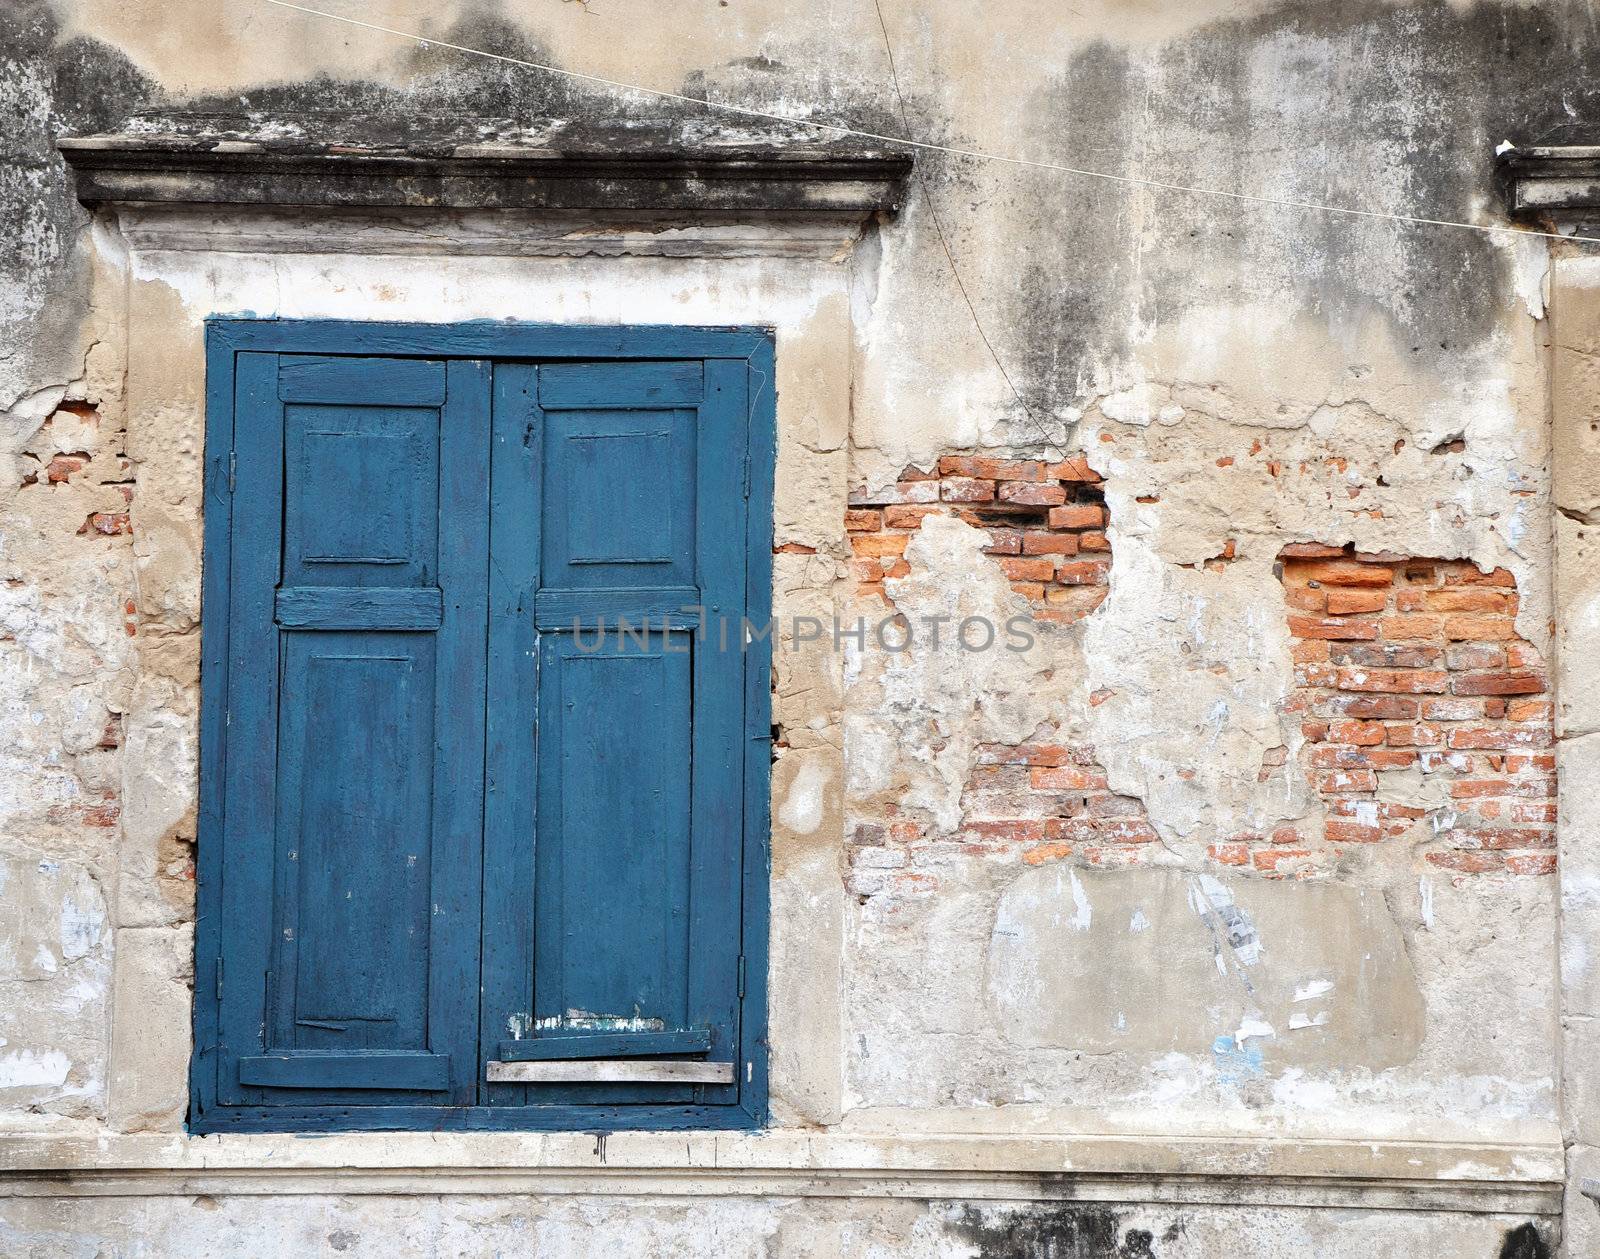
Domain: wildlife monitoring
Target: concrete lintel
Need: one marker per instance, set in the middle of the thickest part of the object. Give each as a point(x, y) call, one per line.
point(660, 177)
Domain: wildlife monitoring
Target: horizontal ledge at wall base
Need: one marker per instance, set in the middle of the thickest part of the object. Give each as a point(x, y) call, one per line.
point(1462, 1177)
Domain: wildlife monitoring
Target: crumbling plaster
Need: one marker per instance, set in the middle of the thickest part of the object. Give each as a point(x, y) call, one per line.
point(1255, 373)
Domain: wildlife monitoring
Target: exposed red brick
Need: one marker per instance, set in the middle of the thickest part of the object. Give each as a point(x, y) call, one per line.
point(1332, 627)
point(1126, 830)
point(1389, 655)
point(1498, 684)
point(61, 468)
point(1486, 628)
point(1268, 860)
point(1501, 739)
point(1343, 572)
point(1004, 542)
point(1358, 732)
point(1469, 599)
point(908, 517)
point(1018, 829)
point(1401, 628)
point(1067, 778)
point(1310, 651)
point(1347, 780)
point(879, 544)
point(984, 468)
point(1474, 656)
point(1337, 832)
point(1420, 735)
point(1034, 543)
point(1469, 862)
point(1344, 602)
point(1028, 568)
point(961, 490)
point(1367, 707)
point(1394, 681)
point(1083, 573)
point(1074, 469)
point(107, 523)
point(1446, 687)
point(1035, 493)
point(1081, 516)
point(1467, 575)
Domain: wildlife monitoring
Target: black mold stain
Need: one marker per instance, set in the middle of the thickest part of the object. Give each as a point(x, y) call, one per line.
point(82, 85)
point(1525, 1242)
point(1056, 1231)
point(51, 87)
point(1363, 103)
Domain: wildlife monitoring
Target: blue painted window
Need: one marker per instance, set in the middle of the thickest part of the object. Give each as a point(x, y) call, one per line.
point(485, 751)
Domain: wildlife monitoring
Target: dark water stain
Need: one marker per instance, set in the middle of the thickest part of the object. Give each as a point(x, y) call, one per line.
point(49, 87)
point(1363, 104)
point(1525, 1242)
point(1057, 1231)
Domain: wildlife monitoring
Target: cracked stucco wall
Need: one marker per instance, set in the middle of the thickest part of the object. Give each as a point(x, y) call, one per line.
point(1241, 376)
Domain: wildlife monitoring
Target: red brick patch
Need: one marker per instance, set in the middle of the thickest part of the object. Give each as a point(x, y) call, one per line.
point(1050, 517)
point(1381, 640)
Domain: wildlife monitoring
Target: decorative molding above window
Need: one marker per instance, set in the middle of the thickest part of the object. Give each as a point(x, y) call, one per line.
point(1556, 184)
point(640, 170)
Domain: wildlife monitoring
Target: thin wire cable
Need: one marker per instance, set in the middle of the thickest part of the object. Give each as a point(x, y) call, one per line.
point(1138, 181)
point(944, 242)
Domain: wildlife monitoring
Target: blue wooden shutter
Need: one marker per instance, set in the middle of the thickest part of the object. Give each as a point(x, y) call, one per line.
point(615, 759)
point(353, 738)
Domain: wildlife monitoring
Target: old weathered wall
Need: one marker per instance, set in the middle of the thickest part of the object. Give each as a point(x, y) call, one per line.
point(1256, 836)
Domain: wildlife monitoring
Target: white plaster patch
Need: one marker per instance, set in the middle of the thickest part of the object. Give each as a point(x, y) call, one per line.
point(1082, 914)
point(1313, 989)
point(802, 810)
point(24, 1068)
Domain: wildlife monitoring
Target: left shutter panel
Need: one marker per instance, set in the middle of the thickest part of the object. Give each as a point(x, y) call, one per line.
point(354, 731)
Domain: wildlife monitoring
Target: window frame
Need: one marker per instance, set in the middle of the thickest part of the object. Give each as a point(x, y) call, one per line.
point(228, 336)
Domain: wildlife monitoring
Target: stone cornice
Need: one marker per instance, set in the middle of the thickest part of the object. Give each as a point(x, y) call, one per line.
point(1555, 184)
point(647, 175)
